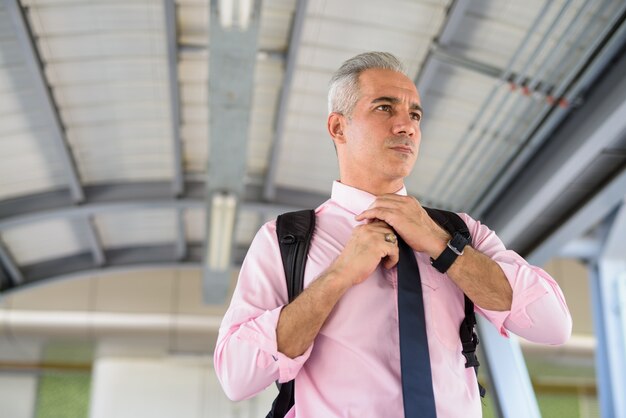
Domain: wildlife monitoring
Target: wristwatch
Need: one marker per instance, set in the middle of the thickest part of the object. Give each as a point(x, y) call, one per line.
point(454, 249)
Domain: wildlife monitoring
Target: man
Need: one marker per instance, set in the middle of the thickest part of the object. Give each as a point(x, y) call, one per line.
point(339, 339)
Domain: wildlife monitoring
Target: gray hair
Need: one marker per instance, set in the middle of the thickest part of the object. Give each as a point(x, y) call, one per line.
point(343, 91)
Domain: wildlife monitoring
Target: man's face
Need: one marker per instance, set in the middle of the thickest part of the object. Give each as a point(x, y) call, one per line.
point(382, 136)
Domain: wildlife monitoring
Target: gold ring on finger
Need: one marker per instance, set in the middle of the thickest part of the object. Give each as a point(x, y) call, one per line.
point(391, 237)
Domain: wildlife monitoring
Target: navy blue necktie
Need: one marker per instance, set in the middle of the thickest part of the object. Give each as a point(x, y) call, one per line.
point(417, 383)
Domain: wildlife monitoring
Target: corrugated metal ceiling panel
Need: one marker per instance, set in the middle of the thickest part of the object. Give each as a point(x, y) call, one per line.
point(268, 82)
point(248, 224)
point(124, 115)
point(539, 66)
point(136, 228)
point(30, 163)
point(449, 106)
point(195, 225)
point(107, 65)
point(45, 240)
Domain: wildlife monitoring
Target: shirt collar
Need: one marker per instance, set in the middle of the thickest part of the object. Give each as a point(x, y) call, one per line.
point(353, 199)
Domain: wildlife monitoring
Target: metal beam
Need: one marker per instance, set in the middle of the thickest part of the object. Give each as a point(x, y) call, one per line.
point(191, 48)
point(507, 369)
point(444, 55)
point(596, 209)
point(118, 260)
point(608, 295)
point(232, 61)
point(581, 249)
point(6, 259)
point(91, 209)
point(285, 93)
point(169, 8)
point(597, 126)
point(105, 198)
point(95, 243)
point(155, 255)
point(430, 68)
point(40, 86)
point(181, 235)
point(5, 280)
point(110, 198)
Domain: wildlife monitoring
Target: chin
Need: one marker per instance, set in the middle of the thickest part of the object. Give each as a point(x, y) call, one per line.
point(400, 174)
point(405, 171)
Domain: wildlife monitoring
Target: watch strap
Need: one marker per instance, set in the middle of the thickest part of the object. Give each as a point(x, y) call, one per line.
point(453, 249)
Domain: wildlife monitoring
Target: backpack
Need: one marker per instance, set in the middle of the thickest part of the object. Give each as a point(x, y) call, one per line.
point(295, 230)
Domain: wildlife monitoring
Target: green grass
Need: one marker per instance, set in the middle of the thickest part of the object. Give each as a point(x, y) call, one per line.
point(550, 405)
point(63, 395)
point(558, 405)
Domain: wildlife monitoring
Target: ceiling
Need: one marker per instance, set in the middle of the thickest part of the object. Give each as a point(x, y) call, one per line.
point(121, 121)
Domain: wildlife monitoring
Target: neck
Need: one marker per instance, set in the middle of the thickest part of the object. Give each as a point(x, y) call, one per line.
point(377, 187)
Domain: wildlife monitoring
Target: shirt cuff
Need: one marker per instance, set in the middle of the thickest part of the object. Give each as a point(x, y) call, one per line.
point(525, 280)
point(261, 333)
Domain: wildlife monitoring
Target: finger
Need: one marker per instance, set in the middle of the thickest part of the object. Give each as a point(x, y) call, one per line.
point(383, 214)
point(391, 260)
point(392, 200)
point(377, 226)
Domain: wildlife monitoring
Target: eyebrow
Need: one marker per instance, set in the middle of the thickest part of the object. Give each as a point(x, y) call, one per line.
point(395, 100)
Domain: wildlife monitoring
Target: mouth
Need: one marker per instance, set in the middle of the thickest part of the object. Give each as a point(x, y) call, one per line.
point(403, 149)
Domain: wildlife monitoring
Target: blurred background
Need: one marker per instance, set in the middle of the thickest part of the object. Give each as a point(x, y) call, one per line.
point(143, 143)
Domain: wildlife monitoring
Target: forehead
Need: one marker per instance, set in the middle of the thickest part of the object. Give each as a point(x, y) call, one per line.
point(380, 82)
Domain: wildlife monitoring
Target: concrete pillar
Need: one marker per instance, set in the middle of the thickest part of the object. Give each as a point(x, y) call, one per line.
point(18, 394)
point(165, 388)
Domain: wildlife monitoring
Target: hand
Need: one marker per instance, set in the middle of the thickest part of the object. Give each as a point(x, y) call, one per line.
point(365, 250)
point(410, 220)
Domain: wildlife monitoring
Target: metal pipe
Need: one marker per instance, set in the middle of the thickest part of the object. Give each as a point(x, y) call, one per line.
point(481, 203)
point(481, 145)
point(551, 81)
point(453, 158)
point(500, 148)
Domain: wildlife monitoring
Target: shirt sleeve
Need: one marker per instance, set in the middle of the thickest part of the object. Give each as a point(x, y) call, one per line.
point(538, 312)
point(246, 357)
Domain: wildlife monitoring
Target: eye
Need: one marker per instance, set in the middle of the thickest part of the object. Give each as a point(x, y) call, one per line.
point(416, 116)
point(384, 108)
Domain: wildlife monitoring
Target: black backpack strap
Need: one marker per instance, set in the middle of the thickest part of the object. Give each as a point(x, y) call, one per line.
point(294, 230)
point(449, 221)
point(453, 223)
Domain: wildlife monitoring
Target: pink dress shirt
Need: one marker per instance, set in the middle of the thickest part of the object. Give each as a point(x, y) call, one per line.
point(353, 367)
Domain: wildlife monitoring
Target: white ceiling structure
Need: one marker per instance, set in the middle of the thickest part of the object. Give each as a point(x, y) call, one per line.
point(120, 122)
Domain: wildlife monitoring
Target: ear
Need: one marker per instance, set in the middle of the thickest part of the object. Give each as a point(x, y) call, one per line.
point(335, 125)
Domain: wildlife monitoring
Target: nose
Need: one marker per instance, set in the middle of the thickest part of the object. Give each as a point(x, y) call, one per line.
point(403, 125)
